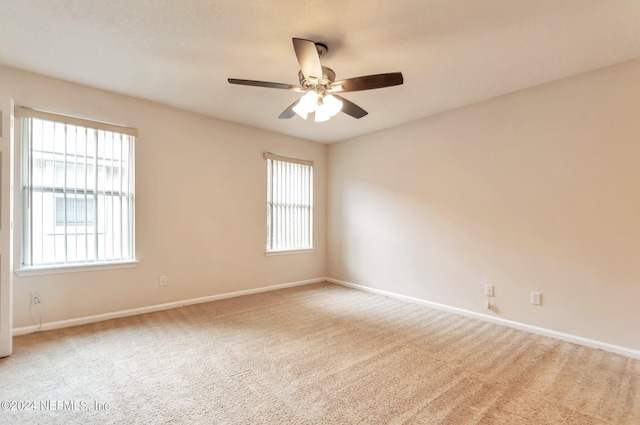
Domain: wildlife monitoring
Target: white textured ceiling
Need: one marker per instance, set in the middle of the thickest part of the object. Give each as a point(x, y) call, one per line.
point(451, 52)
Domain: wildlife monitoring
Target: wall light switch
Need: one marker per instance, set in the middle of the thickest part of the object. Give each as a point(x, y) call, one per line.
point(536, 298)
point(488, 290)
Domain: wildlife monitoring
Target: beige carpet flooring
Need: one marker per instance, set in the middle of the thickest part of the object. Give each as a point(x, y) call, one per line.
point(318, 354)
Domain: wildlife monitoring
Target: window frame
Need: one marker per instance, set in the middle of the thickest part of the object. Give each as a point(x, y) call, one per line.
point(23, 176)
point(305, 230)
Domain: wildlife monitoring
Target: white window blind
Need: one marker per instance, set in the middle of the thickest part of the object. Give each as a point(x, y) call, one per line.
point(289, 203)
point(78, 190)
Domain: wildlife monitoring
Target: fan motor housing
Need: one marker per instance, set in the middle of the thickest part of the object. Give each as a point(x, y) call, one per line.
point(328, 77)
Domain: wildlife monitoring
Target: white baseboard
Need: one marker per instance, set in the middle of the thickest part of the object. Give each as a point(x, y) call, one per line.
point(150, 309)
point(635, 354)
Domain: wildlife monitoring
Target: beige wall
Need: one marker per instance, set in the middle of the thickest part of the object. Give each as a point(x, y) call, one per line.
point(200, 206)
point(537, 190)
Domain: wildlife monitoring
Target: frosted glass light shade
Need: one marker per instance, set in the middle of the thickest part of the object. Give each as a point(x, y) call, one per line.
point(331, 104)
point(301, 110)
point(307, 104)
point(322, 114)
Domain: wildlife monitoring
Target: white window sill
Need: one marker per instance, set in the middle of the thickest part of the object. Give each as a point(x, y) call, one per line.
point(75, 268)
point(289, 251)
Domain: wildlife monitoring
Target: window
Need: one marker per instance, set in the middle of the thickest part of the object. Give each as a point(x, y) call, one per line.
point(289, 203)
point(78, 190)
point(73, 211)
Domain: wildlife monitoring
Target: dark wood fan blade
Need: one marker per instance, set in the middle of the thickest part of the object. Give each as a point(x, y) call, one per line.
point(308, 58)
point(351, 108)
point(263, 84)
point(368, 82)
point(289, 112)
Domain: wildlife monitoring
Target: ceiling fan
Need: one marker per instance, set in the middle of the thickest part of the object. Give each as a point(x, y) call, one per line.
point(319, 86)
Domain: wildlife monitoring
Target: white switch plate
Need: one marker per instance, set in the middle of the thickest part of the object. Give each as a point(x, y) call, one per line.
point(536, 298)
point(488, 290)
point(163, 281)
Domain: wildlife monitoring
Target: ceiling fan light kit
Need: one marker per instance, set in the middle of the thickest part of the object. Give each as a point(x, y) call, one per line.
point(323, 106)
point(318, 84)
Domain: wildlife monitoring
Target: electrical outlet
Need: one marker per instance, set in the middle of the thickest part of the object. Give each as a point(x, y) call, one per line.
point(35, 298)
point(536, 298)
point(163, 281)
point(488, 290)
